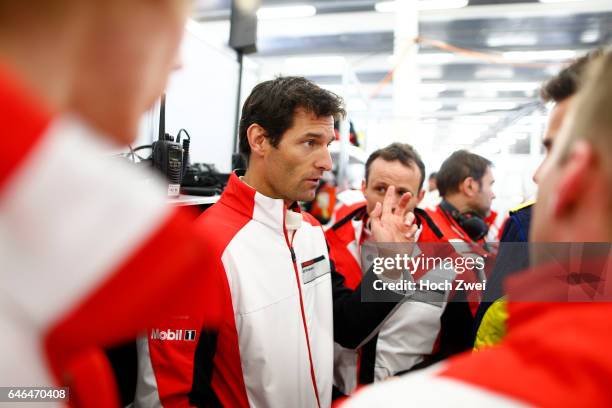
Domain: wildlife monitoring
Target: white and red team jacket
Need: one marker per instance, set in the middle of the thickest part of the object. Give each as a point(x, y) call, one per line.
point(88, 254)
point(555, 353)
point(284, 307)
point(421, 329)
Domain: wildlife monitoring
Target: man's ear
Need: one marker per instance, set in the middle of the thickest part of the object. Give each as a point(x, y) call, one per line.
point(256, 136)
point(468, 186)
point(363, 186)
point(574, 178)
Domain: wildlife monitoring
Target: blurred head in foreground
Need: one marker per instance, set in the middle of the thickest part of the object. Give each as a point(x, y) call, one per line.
point(574, 198)
point(108, 61)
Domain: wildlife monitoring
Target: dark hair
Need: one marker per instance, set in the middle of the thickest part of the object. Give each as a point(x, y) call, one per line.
point(404, 153)
point(459, 166)
point(433, 175)
point(567, 82)
point(273, 103)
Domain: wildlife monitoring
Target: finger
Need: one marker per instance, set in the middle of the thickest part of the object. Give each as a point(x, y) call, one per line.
point(414, 229)
point(409, 220)
point(375, 215)
point(388, 201)
point(402, 206)
point(410, 235)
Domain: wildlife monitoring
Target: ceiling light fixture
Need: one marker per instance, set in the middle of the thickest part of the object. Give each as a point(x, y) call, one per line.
point(296, 11)
point(558, 1)
point(441, 4)
point(540, 55)
point(391, 6)
point(512, 38)
point(485, 106)
point(386, 7)
point(590, 36)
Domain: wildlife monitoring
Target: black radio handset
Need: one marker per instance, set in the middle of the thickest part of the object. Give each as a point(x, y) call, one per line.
point(168, 154)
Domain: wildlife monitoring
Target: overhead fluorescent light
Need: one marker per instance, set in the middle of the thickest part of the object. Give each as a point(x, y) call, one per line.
point(386, 7)
point(511, 86)
point(511, 39)
point(484, 92)
point(391, 6)
point(431, 72)
point(540, 55)
point(485, 106)
point(489, 72)
point(477, 119)
point(590, 36)
point(295, 11)
point(558, 1)
point(441, 4)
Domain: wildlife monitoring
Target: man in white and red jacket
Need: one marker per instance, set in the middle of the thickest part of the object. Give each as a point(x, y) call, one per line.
point(556, 352)
point(420, 332)
point(88, 253)
point(285, 304)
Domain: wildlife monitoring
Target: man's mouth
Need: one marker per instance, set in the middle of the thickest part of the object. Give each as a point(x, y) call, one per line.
point(314, 180)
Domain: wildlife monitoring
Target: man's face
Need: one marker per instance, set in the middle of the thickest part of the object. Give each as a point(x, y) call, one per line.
point(544, 223)
point(383, 174)
point(129, 51)
point(431, 184)
point(294, 168)
point(554, 126)
point(481, 201)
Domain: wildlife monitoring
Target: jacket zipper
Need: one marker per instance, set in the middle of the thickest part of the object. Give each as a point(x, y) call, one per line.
point(297, 280)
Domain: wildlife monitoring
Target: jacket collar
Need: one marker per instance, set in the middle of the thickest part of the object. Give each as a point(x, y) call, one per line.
point(266, 210)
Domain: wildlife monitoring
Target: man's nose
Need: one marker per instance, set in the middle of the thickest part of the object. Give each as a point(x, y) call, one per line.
point(324, 162)
point(536, 175)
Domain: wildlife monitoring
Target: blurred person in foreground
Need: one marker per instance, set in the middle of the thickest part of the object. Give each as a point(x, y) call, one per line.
point(513, 255)
point(556, 352)
point(89, 253)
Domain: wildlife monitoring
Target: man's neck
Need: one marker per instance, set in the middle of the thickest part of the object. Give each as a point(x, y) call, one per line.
point(255, 181)
point(459, 202)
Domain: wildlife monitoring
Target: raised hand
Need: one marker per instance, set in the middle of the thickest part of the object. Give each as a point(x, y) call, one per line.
point(390, 224)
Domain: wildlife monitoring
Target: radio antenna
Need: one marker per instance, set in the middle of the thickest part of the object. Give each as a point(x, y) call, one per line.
point(162, 118)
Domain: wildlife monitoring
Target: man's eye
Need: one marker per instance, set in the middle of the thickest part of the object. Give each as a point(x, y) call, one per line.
point(310, 143)
point(381, 190)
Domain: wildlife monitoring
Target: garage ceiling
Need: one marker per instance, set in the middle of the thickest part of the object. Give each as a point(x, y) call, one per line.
point(501, 98)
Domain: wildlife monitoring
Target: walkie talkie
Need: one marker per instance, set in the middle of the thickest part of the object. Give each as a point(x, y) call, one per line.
point(168, 154)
